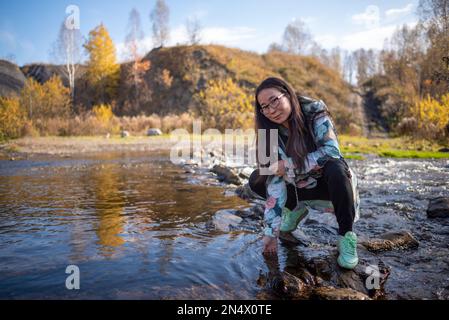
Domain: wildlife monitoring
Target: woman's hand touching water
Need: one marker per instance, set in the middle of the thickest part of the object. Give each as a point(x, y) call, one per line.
point(270, 245)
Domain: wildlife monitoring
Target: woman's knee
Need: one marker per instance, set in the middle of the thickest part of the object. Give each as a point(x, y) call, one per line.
point(336, 169)
point(257, 183)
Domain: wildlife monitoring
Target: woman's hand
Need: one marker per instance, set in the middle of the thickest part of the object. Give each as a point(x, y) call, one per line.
point(278, 168)
point(270, 245)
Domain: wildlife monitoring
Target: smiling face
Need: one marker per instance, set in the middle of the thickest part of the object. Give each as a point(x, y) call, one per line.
point(278, 111)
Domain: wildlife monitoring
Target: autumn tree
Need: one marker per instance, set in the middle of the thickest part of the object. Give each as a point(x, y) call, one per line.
point(67, 51)
point(160, 16)
point(103, 71)
point(193, 28)
point(348, 67)
point(365, 64)
point(275, 47)
point(44, 101)
point(434, 15)
point(296, 37)
point(12, 118)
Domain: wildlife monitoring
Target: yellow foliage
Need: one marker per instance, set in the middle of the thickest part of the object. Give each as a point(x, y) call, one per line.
point(103, 71)
point(49, 100)
point(166, 78)
point(12, 118)
point(224, 105)
point(430, 111)
point(103, 113)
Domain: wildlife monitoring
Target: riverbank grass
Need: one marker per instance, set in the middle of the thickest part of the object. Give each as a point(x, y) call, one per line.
point(402, 147)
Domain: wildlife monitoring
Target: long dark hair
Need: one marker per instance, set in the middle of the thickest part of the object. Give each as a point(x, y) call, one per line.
point(300, 136)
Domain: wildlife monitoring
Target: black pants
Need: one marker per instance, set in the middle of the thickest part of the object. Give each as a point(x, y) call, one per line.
point(334, 185)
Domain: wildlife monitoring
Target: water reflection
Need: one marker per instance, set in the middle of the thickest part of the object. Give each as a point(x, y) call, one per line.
point(109, 208)
point(135, 224)
point(132, 223)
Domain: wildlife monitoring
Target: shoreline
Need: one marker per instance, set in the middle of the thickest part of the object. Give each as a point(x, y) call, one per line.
point(352, 147)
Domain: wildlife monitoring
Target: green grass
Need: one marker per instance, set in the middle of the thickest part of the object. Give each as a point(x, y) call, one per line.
point(401, 147)
point(414, 154)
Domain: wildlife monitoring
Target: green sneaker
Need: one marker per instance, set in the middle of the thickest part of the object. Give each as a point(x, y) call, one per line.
point(347, 248)
point(291, 219)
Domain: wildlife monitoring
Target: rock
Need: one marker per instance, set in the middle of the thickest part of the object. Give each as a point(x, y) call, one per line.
point(319, 277)
point(258, 211)
point(286, 285)
point(154, 132)
point(227, 175)
point(124, 134)
point(401, 240)
point(12, 79)
point(224, 219)
point(248, 220)
point(246, 172)
point(245, 192)
point(322, 264)
point(187, 169)
point(438, 208)
point(43, 72)
point(331, 293)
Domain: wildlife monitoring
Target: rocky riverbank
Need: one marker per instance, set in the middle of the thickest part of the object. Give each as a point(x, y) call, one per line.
point(311, 271)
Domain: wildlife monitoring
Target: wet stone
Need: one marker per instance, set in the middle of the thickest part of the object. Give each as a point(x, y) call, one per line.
point(224, 219)
point(226, 174)
point(401, 240)
point(438, 208)
point(245, 192)
point(315, 274)
point(331, 293)
point(228, 220)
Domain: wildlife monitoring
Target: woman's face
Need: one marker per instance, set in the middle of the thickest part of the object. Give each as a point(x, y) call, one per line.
point(278, 107)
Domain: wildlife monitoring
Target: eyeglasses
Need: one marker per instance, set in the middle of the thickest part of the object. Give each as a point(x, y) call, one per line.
point(272, 105)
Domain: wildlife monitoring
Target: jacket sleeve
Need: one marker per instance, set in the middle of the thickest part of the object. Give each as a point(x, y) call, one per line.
point(277, 190)
point(326, 140)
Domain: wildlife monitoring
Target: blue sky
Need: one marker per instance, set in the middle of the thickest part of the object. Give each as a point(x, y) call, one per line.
point(28, 28)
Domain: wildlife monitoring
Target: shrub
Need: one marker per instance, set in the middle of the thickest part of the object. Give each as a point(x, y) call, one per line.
point(103, 113)
point(12, 118)
point(49, 100)
point(223, 104)
point(432, 116)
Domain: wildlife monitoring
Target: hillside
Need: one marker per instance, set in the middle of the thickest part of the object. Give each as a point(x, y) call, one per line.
point(11, 79)
point(191, 67)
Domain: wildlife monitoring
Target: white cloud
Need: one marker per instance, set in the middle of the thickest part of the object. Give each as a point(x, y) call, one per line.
point(370, 17)
point(327, 40)
point(235, 37)
point(373, 38)
point(398, 13)
point(228, 36)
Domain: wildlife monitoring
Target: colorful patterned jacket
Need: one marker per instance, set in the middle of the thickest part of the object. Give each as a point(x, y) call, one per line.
point(327, 148)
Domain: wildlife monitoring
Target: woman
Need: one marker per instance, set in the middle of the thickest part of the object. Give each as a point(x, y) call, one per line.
point(310, 172)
